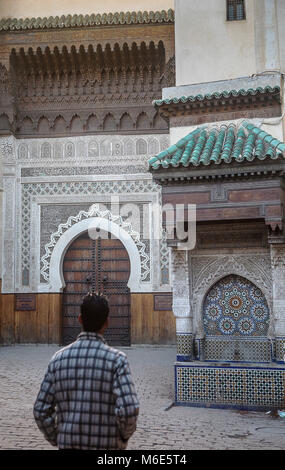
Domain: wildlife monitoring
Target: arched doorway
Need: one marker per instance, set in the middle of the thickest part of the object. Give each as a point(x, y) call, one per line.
point(97, 265)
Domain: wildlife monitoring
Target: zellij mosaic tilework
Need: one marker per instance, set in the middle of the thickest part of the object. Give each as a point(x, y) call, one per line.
point(236, 307)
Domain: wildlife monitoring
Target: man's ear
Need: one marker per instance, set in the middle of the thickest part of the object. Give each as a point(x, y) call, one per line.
point(80, 319)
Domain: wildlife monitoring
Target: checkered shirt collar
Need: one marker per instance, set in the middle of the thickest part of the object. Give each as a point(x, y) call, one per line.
point(91, 335)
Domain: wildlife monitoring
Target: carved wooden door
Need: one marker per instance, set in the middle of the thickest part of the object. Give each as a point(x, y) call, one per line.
point(100, 265)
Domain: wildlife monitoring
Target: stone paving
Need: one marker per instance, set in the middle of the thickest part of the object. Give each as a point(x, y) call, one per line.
point(160, 426)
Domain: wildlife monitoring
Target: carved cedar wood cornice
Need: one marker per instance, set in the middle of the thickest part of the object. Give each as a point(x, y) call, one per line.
point(114, 87)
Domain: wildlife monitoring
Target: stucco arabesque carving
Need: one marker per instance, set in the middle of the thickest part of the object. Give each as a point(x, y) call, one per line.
point(181, 301)
point(64, 150)
point(94, 211)
point(105, 187)
point(179, 262)
point(7, 149)
point(278, 257)
point(254, 268)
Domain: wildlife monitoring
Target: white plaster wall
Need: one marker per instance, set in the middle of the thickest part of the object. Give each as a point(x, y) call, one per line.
point(36, 8)
point(281, 32)
point(266, 79)
point(209, 48)
point(267, 47)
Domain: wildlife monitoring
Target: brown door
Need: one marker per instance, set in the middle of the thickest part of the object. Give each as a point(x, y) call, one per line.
point(100, 265)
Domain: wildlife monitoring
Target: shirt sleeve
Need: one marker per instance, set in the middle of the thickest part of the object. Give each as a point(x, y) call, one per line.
point(127, 404)
point(44, 409)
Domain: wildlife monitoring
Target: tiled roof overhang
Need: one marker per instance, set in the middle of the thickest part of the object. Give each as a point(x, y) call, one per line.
point(186, 104)
point(219, 149)
point(93, 20)
point(228, 173)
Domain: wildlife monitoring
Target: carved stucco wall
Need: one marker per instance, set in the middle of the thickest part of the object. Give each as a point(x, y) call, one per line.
point(46, 181)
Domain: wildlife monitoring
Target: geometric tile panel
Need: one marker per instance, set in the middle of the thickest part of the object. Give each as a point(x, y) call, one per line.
point(280, 349)
point(184, 344)
point(230, 387)
point(236, 349)
point(235, 307)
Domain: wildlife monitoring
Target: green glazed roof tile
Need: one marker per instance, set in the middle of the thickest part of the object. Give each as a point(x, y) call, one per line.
point(216, 95)
point(207, 145)
point(73, 21)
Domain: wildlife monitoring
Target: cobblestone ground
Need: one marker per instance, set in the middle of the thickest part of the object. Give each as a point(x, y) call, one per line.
point(160, 426)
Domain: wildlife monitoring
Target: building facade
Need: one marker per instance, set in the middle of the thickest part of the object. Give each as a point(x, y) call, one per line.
point(226, 159)
point(77, 128)
point(110, 124)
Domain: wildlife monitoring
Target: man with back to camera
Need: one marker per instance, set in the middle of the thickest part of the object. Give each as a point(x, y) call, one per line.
point(87, 399)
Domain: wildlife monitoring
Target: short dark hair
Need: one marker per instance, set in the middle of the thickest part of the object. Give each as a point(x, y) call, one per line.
point(94, 311)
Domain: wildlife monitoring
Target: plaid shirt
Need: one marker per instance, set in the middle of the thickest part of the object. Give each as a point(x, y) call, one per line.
point(87, 399)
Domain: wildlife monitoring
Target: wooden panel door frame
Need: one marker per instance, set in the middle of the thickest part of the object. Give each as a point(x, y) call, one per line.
point(97, 265)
